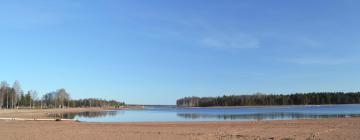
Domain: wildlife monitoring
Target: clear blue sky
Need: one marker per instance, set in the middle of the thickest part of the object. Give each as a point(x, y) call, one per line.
point(155, 51)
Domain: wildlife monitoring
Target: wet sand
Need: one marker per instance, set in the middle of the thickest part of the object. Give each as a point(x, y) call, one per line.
point(325, 129)
point(41, 113)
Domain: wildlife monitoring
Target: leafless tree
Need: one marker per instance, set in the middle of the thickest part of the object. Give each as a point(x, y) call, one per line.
point(34, 96)
point(17, 91)
point(62, 97)
point(3, 92)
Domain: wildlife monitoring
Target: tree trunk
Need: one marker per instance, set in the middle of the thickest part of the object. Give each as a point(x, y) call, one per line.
point(7, 100)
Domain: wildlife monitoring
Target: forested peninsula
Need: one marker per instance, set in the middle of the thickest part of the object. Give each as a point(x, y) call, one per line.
point(14, 97)
point(259, 99)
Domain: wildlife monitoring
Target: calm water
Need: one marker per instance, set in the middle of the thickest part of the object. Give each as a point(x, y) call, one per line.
point(173, 114)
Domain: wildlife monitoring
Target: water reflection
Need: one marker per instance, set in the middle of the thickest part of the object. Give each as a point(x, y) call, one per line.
point(171, 114)
point(199, 116)
point(262, 116)
point(98, 114)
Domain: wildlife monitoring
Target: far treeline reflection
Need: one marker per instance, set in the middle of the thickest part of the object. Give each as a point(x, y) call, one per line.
point(315, 98)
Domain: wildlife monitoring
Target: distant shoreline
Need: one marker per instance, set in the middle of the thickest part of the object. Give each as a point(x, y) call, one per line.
point(267, 106)
point(261, 99)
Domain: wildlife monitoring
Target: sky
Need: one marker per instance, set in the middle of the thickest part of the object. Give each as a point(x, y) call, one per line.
point(154, 52)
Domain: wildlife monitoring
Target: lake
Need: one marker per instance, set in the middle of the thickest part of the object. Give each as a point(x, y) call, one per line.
point(174, 114)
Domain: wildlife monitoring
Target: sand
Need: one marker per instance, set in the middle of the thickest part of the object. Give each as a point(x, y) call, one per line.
point(40, 113)
point(325, 129)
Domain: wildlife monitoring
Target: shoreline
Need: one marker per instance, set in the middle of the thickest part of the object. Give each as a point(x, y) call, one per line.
point(269, 106)
point(43, 113)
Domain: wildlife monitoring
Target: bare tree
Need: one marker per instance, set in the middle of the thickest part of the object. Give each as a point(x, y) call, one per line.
point(3, 92)
point(17, 91)
point(34, 96)
point(62, 97)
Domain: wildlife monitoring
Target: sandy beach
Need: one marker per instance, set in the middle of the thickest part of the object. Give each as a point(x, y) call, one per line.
point(326, 129)
point(41, 113)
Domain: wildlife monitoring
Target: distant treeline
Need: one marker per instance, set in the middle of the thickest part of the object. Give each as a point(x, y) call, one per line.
point(14, 97)
point(259, 99)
